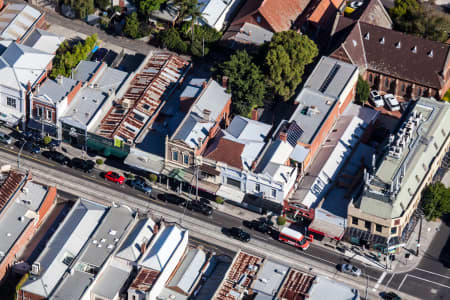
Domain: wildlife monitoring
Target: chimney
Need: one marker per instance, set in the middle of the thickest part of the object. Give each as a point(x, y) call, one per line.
point(37, 88)
point(225, 81)
point(206, 114)
point(204, 84)
point(249, 33)
point(283, 136)
point(59, 79)
point(29, 87)
point(253, 165)
point(143, 247)
point(255, 114)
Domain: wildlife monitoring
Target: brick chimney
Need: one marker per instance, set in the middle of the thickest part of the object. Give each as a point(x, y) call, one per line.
point(206, 114)
point(253, 165)
point(283, 136)
point(255, 114)
point(143, 247)
point(225, 81)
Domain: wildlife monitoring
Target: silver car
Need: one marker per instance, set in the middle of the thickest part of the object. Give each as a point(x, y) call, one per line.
point(5, 139)
point(348, 268)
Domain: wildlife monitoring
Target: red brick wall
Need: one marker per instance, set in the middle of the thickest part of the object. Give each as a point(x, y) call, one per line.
point(102, 65)
point(46, 107)
point(347, 100)
point(47, 204)
point(73, 93)
point(21, 295)
point(41, 22)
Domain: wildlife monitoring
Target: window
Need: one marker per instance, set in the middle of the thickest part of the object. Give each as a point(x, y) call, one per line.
point(175, 155)
point(386, 82)
point(367, 225)
point(378, 227)
point(49, 114)
point(39, 111)
point(274, 193)
point(393, 230)
point(185, 159)
point(257, 187)
point(258, 19)
point(419, 91)
point(403, 87)
point(234, 182)
point(397, 222)
point(354, 221)
point(370, 77)
point(11, 102)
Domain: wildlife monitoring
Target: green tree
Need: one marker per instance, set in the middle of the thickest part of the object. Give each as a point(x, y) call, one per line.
point(281, 220)
point(204, 38)
point(99, 161)
point(245, 82)
point(102, 4)
point(288, 54)
point(147, 6)
point(153, 177)
point(131, 28)
point(436, 201)
point(172, 40)
point(362, 90)
point(47, 140)
point(219, 200)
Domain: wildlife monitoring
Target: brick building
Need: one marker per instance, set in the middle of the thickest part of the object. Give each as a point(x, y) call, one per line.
point(24, 205)
point(385, 58)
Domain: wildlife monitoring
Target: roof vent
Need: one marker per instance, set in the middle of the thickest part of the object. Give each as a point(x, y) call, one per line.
point(382, 40)
point(414, 49)
point(430, 53)
point(354, 43)
point(398, 45)
point(8, 234)
point(21, 218)
point(367, 36)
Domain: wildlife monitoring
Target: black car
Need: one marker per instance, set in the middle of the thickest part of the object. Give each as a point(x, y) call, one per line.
point(237, 234)
point(140, 184)
point(258, 225)
point(199, 206)
point(81, 164)
point(57, 156)
point(390, 296)
point(28, 146)
point(54, 143)
point(171, 198)
point(100, 54)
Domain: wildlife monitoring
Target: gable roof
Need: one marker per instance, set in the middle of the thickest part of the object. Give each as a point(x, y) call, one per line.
point(227, 151)
point(372, 12)
point(44, 41)
point(391, 52)
point(279, 15)
point(131, 249)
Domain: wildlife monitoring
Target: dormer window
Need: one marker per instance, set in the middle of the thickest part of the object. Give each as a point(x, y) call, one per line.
point(367, 36)
point(414, 49)
point(430, 53)
point(382, 40)
point(398, 45)
point(258, 19)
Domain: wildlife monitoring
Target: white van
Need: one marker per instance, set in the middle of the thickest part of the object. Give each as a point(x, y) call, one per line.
point(391, 102)
point(376, 99)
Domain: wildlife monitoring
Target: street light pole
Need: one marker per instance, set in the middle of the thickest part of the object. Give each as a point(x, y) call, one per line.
point(18, 155)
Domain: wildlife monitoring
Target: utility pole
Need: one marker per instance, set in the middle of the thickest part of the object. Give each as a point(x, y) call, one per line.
point(18, 155)
point(196, 183)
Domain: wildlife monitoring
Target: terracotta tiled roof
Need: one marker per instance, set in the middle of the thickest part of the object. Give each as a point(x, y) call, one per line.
point(391, 52)
point(321, 11)
point(226, 151)
point(9, 186)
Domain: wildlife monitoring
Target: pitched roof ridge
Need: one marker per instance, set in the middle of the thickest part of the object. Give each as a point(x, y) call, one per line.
point(362, 44)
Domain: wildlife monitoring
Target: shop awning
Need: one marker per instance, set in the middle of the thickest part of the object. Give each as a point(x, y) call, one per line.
point(230, 193)
point(327, 224)
point(177, 174)
point(210, 170)
point(10, 117)
point(50, 129)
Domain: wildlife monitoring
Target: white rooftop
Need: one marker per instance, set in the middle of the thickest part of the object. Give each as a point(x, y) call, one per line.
point(64, 246)
point(163, 248)
point(212, 10)
point(44, 41)
point(140, 235)
point(324, 289)
point(269, 278)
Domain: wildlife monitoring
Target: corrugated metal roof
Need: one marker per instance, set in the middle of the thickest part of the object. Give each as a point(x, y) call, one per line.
point(141, 234)
point(16, 20)
point(189, 271)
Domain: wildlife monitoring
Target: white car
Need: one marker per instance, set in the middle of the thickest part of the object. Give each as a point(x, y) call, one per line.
point(376, 99)
point(391, 102)
point(350, 269)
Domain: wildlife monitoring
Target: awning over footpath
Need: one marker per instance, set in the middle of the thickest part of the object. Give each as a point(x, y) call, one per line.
point(327, 224)
point(184, 176)
point(50, 129)
point(145, 161)
point(230, 193)
point(10, 117)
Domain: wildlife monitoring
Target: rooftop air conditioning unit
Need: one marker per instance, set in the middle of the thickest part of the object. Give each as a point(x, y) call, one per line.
point(126, 103)
point(35, 268)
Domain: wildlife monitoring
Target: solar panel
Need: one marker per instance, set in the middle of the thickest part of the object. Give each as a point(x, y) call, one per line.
point(329, 78)
point(294, 133)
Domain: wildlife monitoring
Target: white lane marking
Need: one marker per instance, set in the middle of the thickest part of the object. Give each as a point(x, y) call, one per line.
point(401, 283)
point(433, 282)
point(380, 280)
point(390, 279)
point(437, 274)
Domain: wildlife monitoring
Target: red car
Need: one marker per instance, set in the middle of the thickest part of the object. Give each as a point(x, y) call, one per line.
point(114, 177)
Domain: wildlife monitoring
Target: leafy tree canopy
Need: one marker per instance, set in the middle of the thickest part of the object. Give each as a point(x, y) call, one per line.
point(172, 40)
point(288, 54)
point(147, 6)
point(245, 82)
point(102, 4)
point(436, 201)
point(131, 27)
point(362, 90)
point(411, 17)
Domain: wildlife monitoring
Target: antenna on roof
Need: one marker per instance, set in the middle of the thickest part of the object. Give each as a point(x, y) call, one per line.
point(374, 162)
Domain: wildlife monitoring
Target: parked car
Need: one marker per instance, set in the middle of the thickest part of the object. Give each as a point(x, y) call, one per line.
point(350, 269)
point(100, 54)
point(28, 146)
point(391, 102)
point(376, 99)
point(54, 143)
point(258, 225)
point(198, 206)
point(114, 177)
point(171, 198)
point(5, 139)
point(237, 234)
point(26, 135)
point(57, 156)
point(81, 164)
point(140, 184)
point(390, 296)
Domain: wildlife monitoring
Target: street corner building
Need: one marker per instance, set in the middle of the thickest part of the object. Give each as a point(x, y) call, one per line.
point(383, 215)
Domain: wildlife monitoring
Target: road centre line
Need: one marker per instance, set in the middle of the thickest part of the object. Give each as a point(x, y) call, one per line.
point(437, 274)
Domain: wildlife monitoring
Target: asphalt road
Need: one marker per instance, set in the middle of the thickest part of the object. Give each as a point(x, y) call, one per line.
point(316, 252)
point(431, 279)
